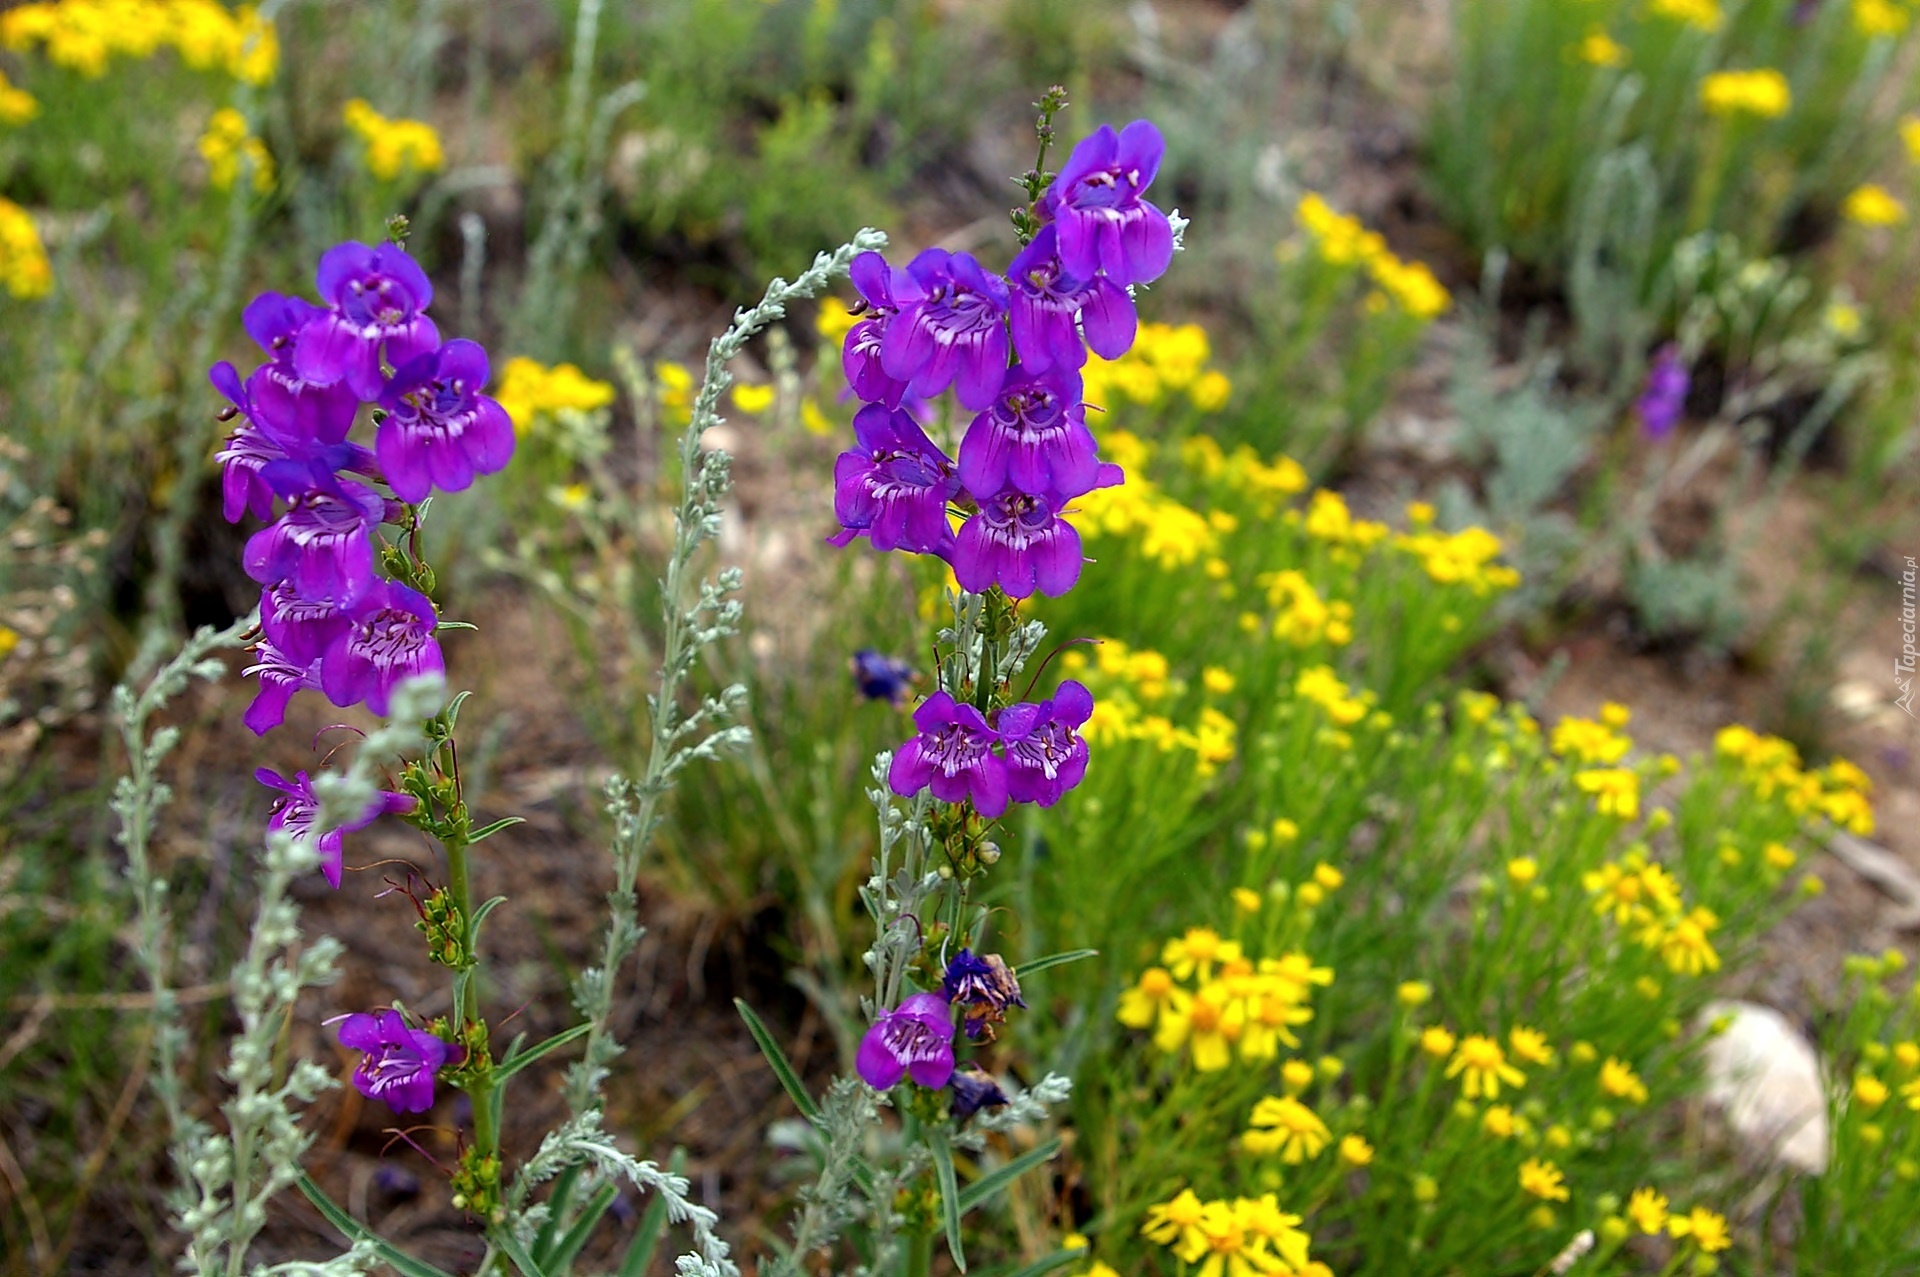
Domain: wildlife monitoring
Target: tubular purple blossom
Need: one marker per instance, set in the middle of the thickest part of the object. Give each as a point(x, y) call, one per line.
point(280, 677)
point(983, 984)
point(1046, 755)
point(914, 1040)
point(1017, 541)
point(297, 810)
point(1045, 300)
point(953, 334)
point(894, 486)
point(400, 1062)
point(440, 431)
point(376, 297)
point(1104, 224)
point(322, 544)
point(860, 355)
point(1664, 400)
point(301, 629)
point(1033, 439)
point(390, 640)
point(954, 755)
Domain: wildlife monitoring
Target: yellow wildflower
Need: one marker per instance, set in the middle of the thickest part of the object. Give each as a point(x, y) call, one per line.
point(752, 399)
point(1199, 1021)
point(1485, 1067)
point(1543, 1180)
point(1647, 1208)
point(1216, 680)
point(528, 389)
point(1194, 953)
point(1498, 1121)
point(1763, 93)
point(1873, 205)
point(1869, 1092)
point(1210, 391)
point(1147, 999)
point(1170, 1223)
point(1246, 899)
point(394, 146)
point(1522, 870)
point(1685, 947)
point(17, 106)
point(1530, 1045)
point(1296, 1075)
point(1588, 741)
point(1616, 790)
point(1708, 1230)
point(1436, 1041)
point(1879, 18)
point(1413, 993)
point(1907, 1055)
point(1283, 1125)
point(1599, 49)
point(24, 268)
point(1703, 15)
point(1618, 1079)
point(226, 143)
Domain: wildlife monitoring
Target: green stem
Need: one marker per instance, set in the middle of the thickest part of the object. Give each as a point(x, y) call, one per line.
point(919, 1253)
point(467, 1009)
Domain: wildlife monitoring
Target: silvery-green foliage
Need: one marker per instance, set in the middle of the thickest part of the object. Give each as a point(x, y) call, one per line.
point(228, 1177)
point(896, 897)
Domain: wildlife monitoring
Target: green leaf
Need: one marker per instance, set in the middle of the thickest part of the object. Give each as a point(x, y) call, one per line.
point(949, 1194)
point(487, 831)
point(556, 1208)
point(452, 712)
point(354, 1230)
point(778, 1059)
point(1039, 1267)
point(444, 626)
point(510, 1243)
point(480, 914)
point(1038, 965)
point(989, 1184)
point(646, 1239)
point(507, 1068)
point(569, 1247)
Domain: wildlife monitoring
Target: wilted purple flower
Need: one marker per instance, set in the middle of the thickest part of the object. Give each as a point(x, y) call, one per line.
point(973, 1090)
point(954, 754)
point(985, 985)
point(300, 629)
point(400, 1062)
point(1045, 753)
point(953, 334)
point(440, 430)
point(1665, 398)
point(1045, 299)
point(895, 485)
point(280, 677)
point(376, 296)
point(390, 640)
point(1034, 438)
point(914, 1040)
point(880, 677)
point(323, 543)
point(297, 809)
point(1095, 202)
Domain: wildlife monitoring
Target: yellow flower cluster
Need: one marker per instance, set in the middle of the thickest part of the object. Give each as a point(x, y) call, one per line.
point(1244, 1237)
point(1328, 519)
point(1839, 791)
point(529, 389)
point(1342, 240)
point(1135, 676)
point(1589, 740)
point(1173, 535)
point(1465, 558)
point(1165, 360)
point(1873, 205)
point(1615, 790)
point(1234, 1003)
point(226, 143)
point(1268, 483)
point(17, 106)
point(1599, 49)
point(1643, 896)
point(1703, 15)
point(394, 147)
point(1482, 1067)
point(1763, 94)
point(1282, 1124)
point(1880, 17)
point(1324, 688)
point(1301, 616)
point(85, 35)
point(24, 268)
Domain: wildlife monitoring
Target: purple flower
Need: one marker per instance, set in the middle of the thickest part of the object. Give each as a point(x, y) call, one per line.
point(301, 629)
point(389, 640)
point(860, 355)
point(376, 296)
point(274, 321)
point(243, 463)
point(985, 986)
point(895, 485)
point(1045, 754)
point(280, 677)
point(880, 677)
point(288, 440)
point(440, 430)
point(953, 334)
point(1664, 400)
point(954, 754)
point(1045, 299)
point(1095, 201)
point(973, 1090)
point(297, 809)
point(400, 1062)
point(1017, 541)
point(322, 545)
point(914, 1040)
point(1034, 439)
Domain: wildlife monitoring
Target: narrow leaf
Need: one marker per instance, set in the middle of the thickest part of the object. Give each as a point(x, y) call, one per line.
point(509, 1242)
point(1038, 965)
point(444, 626)
point(989, 1184)
point(480, 914)
point(1039, 1267)
point(489, 830)
point(646, 1238)
point(569, 1247)
point(949, 1194)
point(507, 1068)
point(556, 1210)
point(354, 1230)
point(778, 1059)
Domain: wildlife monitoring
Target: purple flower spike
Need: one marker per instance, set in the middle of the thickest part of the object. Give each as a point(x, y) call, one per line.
point(322, 544)
point(297, 809)
point(953, 334)
point(954, 754)
point(1017, 541)
point(1045, 753)
point(895, 485)
point(280, 677)
point(914, 1040)
point(390, 640)
point(300, 628)
point(440, 431)
point(1104, 224)
point(1660, 406)
point(376, 296)
point(1034, 438)
point(400, 1062)
point(1045, 299)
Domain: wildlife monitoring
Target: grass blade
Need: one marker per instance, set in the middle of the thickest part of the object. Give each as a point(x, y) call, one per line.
point(949, 1194)
point(1038, 965)
point(556, 1210)
point(508, 1067)
point(989, 1184)
point(778, 1059)
point(354, 1230)
point(510, 1245)
point(569, 1247)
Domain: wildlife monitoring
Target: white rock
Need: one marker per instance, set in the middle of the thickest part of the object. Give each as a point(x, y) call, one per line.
point(1764, 1078)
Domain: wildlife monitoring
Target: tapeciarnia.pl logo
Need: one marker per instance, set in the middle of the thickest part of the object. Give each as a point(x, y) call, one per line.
point(1903, 664)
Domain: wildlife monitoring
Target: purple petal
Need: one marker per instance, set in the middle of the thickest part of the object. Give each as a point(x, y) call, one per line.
point(877, 1065)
